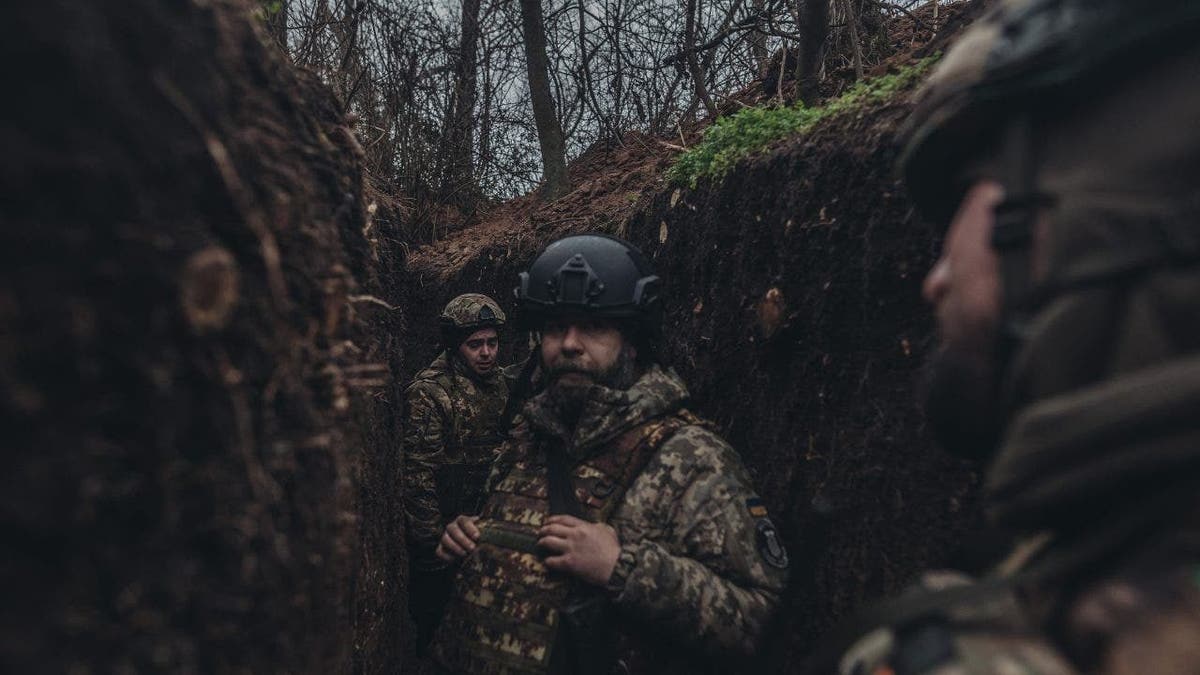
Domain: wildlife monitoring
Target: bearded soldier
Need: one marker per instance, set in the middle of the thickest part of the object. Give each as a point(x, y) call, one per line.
point(1060, 139)
point(620, 534)
point(452, 429)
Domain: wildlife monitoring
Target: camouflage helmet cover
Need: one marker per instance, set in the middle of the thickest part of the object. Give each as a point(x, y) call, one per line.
point(471, 311)
point(1020, 56)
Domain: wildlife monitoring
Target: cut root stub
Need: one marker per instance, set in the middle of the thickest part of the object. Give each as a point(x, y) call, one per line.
point(208, 290)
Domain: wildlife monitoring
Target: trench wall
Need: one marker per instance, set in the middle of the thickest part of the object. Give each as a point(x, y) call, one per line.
point(193, 391)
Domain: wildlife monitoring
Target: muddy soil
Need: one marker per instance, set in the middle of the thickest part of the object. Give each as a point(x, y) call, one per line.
point(195, 369)
point(796, 319)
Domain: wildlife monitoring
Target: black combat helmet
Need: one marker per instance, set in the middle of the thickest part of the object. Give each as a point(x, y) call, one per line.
point(592, 275)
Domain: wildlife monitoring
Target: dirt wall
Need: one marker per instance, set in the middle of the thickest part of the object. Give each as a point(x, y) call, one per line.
point(187, 352)
point(795, 317)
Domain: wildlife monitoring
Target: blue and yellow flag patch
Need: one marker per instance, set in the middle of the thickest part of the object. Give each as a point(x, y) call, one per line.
point(769, 545)
point(756, 507)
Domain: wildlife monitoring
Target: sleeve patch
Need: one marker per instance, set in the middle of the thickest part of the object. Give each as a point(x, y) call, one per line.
point(769, 546)
point(766, 536)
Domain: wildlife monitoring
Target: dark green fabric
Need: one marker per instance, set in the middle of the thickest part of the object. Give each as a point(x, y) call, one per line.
point(1070, 459)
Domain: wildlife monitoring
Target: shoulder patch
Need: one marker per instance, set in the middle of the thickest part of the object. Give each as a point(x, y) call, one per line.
point(756, 507)
point(766, 536)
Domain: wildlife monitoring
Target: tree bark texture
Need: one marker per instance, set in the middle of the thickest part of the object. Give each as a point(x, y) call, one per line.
point(758, 39)
point(458, 178)
point(814, 31)
point(693, 62)
point(550, 135)
point(852, 21)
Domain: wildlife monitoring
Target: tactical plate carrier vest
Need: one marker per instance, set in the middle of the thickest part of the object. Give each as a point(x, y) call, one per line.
point(470, 439)
point(507, 614)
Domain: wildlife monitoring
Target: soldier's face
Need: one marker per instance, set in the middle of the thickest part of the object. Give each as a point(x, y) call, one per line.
point(478, 351)
point(964, 284)
point(582, 351)
point(964, 288)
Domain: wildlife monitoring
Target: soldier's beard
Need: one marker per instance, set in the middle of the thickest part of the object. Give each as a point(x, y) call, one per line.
point(568, 396)
point(962, 402)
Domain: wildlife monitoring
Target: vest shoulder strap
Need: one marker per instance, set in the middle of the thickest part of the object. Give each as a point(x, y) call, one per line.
point(634, 449)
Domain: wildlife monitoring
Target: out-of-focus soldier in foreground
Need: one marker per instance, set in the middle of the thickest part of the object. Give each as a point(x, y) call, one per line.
point(1060, 139)
point(452, 430)
point(620, 533)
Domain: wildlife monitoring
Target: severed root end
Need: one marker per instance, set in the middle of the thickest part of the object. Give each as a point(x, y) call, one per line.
point(208, 289)
point(771, 310)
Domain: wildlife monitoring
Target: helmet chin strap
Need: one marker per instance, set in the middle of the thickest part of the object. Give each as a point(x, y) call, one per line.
point(1012, 239)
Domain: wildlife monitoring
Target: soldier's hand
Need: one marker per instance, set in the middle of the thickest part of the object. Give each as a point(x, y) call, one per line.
point(459, 538)
point(586, 550)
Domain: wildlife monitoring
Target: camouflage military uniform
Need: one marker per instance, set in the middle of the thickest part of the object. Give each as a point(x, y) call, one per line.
point(451, 435)
point(452, 429)
point(700, 569)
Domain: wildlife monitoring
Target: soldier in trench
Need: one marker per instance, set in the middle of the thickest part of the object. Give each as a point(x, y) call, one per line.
point(620, 533)
point(1060, 142)
point(453, 420)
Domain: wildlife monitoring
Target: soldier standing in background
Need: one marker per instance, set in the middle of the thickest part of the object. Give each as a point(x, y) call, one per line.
point(452, 429)
point(620, 533)
point(1060, 139)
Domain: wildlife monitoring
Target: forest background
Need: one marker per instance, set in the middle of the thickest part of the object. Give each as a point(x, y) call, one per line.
point(462, 104)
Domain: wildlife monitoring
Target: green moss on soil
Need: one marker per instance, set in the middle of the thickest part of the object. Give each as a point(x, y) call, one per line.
point(753, 130)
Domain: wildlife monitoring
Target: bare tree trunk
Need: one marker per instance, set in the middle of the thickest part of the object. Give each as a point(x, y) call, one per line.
point(852, 20)
point(587, 87)
point(689, 46)
point(485, 122)
point(814, 30)
point(550, 135)
point(618, 77)
point(458, 180)
point(758, 38)
point(349, 72)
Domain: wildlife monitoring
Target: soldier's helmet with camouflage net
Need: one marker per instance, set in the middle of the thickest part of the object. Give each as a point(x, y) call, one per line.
point(1026, 55)
point(466, 314)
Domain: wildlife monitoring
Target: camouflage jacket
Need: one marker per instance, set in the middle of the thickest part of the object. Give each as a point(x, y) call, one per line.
point(984, 635)
point(450, 437)
point(701, 566)
point(1141, 618)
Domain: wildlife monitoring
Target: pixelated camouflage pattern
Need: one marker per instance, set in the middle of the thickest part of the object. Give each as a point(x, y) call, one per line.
point(997, 653)
point(690, 585)
point(973, 653)
point(517, 630)
point(450, 438)
point(989, 635)
point(1143, 617)
point(467, 311)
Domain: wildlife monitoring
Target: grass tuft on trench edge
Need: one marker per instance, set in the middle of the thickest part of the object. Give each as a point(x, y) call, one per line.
point(752, 130)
